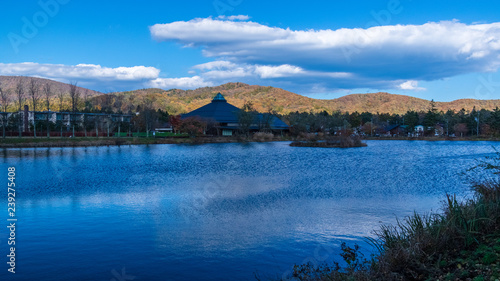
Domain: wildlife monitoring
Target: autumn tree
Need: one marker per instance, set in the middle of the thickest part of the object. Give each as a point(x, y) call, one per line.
point(175, 121)
point(461, 128)
point(193, 126)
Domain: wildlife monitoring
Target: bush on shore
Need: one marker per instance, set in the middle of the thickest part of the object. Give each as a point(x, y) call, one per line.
point(462, 243)
point(261, 136)
point(342, 141)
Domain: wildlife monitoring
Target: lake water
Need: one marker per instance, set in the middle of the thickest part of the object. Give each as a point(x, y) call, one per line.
point(215, 211)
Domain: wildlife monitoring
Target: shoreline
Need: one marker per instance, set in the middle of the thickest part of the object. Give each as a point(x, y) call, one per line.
point(113, 141)
point(15, 142)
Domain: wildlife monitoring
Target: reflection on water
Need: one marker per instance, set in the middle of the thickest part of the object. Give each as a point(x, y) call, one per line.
point(217, 211)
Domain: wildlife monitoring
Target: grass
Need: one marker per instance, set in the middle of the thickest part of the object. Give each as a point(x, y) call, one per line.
point(312, 140)
point(83, 141)
point(461, 243)
point(158, 135)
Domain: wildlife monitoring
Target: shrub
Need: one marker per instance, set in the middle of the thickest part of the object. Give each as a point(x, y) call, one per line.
point(261, 136)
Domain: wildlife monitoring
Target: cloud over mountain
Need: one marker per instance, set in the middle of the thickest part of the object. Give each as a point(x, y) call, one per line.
point(390, 56)
point(80, 71)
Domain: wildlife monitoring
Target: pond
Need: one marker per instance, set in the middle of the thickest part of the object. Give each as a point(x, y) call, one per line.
point(216, 211)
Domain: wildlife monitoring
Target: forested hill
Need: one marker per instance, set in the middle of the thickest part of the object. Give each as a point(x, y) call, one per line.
point(263, 98)
point(9, 83)
point(281, 101)
point(59, 92)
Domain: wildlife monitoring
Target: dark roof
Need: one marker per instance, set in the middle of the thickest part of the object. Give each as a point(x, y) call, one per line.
point(391, 127)
point(275, 122)
point(220, 111)
point(219, 97)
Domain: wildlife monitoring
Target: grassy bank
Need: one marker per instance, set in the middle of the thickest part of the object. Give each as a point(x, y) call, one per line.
point(168, 138)
point(435, 138)
point(27, 142)
point(461, 243)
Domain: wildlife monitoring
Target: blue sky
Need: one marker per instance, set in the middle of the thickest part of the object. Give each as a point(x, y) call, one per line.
point(442, 50)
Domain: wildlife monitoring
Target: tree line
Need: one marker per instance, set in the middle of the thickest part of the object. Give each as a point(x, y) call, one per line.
point(459, 123)
point(146, 116)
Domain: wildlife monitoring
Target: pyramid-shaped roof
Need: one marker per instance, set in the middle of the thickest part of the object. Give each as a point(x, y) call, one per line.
point(219, 97)
point(219, 110)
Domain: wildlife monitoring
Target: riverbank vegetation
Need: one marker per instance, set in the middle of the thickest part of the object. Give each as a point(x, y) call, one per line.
point(461, 243)
point(319, 140)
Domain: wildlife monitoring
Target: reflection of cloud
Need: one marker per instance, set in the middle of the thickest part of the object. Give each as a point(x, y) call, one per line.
point(225, 230)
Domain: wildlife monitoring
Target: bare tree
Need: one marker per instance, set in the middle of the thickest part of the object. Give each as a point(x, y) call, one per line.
point(20, 99)
point(34, 92)
point(5, 100)
point(246, 118)
point(60, 97)
point(149, 114)
point(48, 94)
point(86, 100)
point(75, 96)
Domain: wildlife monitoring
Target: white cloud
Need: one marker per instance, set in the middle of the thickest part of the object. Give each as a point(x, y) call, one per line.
point(238, 17)
point(215, 31)
point(215, 65)
point(224, 71)
point(179, 83)
point(80, 71)
point(284, 70)
point(411, 85)
point(112, 79)
point(378, 57)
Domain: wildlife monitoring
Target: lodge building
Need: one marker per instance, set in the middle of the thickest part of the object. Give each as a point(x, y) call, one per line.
point(225, 120)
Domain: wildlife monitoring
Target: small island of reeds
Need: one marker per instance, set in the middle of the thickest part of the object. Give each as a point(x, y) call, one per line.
point(313, 140)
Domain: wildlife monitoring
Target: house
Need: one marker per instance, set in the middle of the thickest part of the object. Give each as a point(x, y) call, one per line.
point(164, 128)
point(394, 130)
point(438, 130)
point(65, 119)
point(419, 130)
point(223, 119)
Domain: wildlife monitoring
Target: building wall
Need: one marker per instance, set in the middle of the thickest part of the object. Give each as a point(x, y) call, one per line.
point(66, 118)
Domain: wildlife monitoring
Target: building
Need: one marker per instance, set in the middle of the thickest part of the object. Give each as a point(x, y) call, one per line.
point(222, 118)
point(395, 130)
point(65, 119)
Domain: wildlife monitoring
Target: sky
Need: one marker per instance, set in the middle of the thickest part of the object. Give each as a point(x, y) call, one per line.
point(441, 50)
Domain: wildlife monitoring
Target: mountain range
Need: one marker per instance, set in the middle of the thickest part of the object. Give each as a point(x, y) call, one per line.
point(177, 101)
